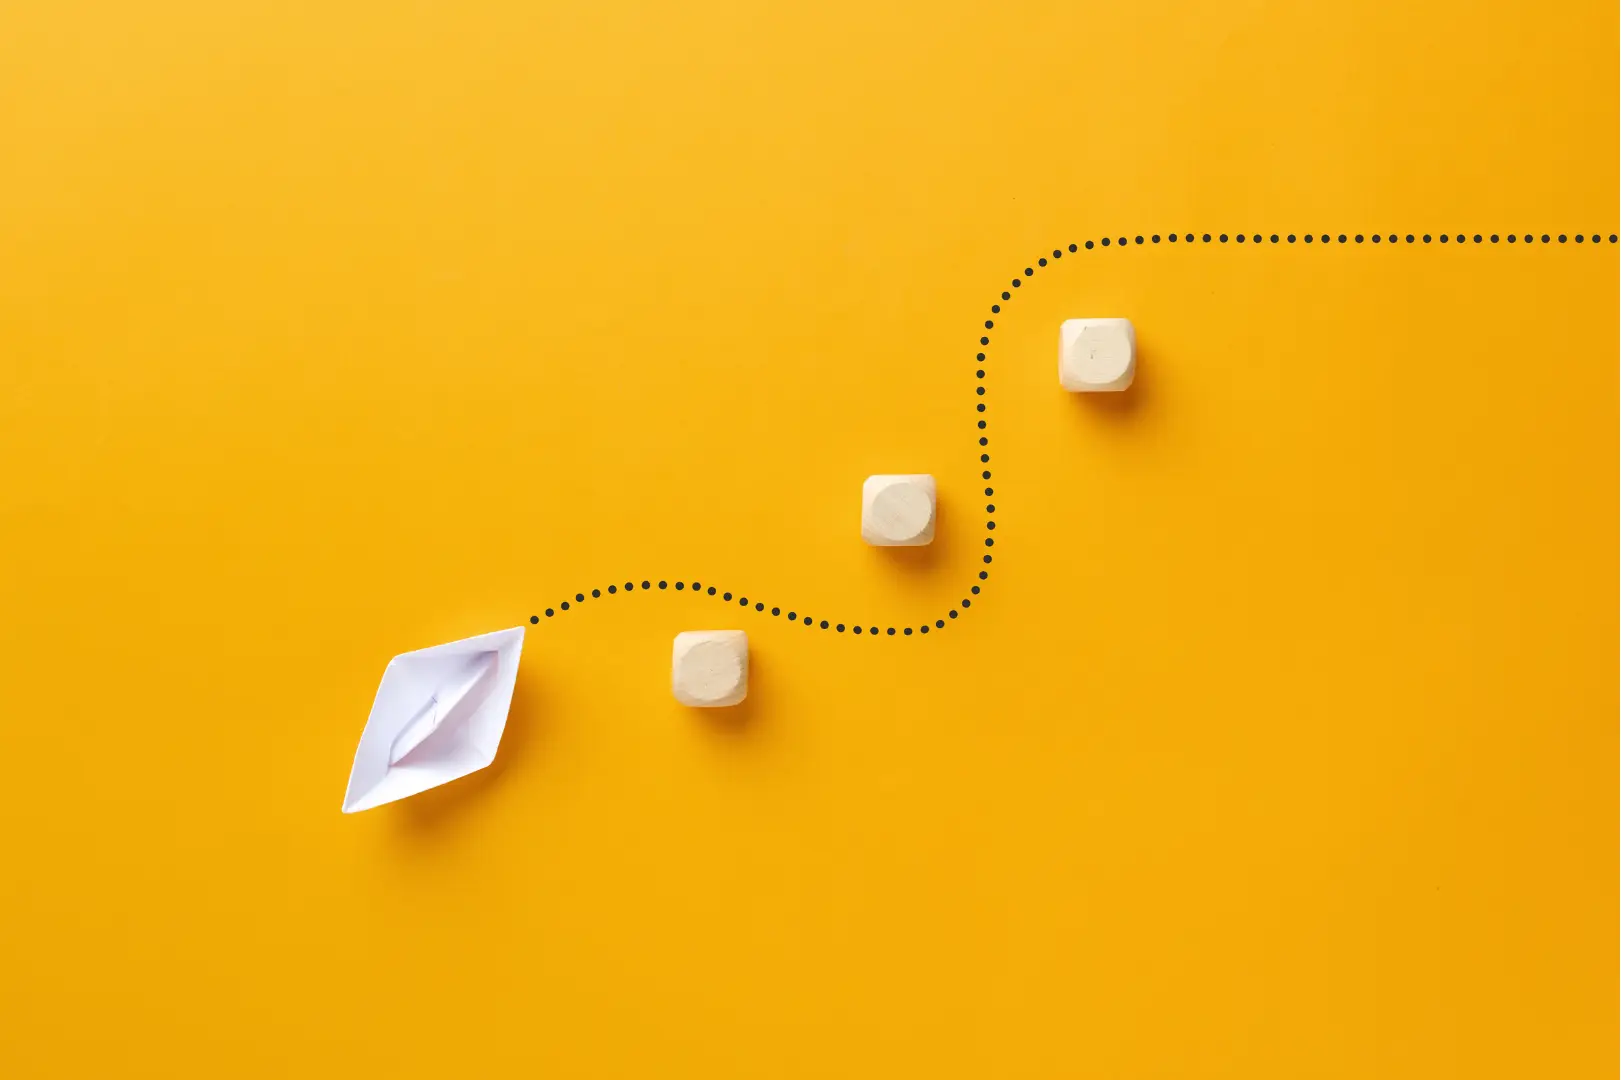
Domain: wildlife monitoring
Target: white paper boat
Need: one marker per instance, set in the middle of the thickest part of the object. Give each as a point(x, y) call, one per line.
point(438, 715)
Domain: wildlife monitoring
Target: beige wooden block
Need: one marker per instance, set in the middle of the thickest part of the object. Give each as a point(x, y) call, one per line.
point(710, 668)
point(898, 511)
point(1096, 354)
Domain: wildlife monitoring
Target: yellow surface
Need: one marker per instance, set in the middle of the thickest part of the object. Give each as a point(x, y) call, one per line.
point(1281, 743)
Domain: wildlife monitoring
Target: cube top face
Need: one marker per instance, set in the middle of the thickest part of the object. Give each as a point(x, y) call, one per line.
point(1096, 354)
point(710, 668)
point(898, 510)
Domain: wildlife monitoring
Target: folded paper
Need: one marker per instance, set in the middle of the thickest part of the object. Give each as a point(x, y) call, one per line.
point(438, 715)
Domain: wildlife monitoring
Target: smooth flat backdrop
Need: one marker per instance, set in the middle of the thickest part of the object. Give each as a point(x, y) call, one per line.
point(1282, 742)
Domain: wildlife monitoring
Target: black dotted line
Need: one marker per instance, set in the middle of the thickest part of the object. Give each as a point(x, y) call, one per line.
point(980, 359)
point(1355, 238)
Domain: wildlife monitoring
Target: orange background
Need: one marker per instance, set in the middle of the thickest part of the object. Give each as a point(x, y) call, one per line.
point(1282, 741)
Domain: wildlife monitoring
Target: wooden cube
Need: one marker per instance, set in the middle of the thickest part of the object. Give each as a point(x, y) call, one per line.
point(710, 668)
point(898, 511)
point(1096, 354)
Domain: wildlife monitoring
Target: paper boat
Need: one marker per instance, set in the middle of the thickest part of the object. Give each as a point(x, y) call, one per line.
point(438, 715)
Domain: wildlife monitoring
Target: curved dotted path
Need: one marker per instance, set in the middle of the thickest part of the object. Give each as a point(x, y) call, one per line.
point(805, 617)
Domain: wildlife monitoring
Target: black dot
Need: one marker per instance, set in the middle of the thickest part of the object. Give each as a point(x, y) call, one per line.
point(1274, 238)
point(742, 601)
point(990, 525)
point(824, 624)
point(1612, 238)
point(1561, 238)
point(1376, 238)
point(1392, 238)
point(1017, 283)
point(925, 629)
point(986, 475)
point(857, 629)
point(983, 441)
point(984, 341)
point(1089, 248)
point(1580, 238)
point(1190, 238)
point(1207, 238)
point(1358, 238)
point(776, 611)
point(1041, 262)
point(534, 619)
point(996, 309)
point(1240, 238)
point(663, 584)
point(1172, 238)
point(1059, 254)
point(1291, 238)
point(791, 616)
point(1529, 238)
point(1445, 238)
point(890, 631)
point(1122, 241)
point(984, 458)
point(759, 607)
point(1029, 272)
point(695, 586)
point(1257, 238)
point(908, 630)
point(839, 628)
point(1325, 238)
point(989, 325)
point(549, 613)
point(579, 598)
point(873, 630)
point(1223, 238)
point(1426, 238)
point(1409, 238)
point(630, 586)
point(1139, 239)
point(646, 585)
point(712, 590)
point(612, 589)
point(987, 558)
point(1309, 238)
point(980, 390)
point(973, 589)
point(941, 622)
point(1007, 295)
point(807, 620)
point(596, 594)
point(983, 574)
point(989, 542)
point(1154, 238)
point(981, 425)
point(990, 508)
point(564, 605)
point(1105, 241)
point(1494, 238)
point(979, 356)
point(1072, 247)
point(980, 408)
point(680, 585)
point(1512, 238)
point(1477, 238)
point(1460, 238)
point(965, 603)
point(1544, 238)
point(726, 596)
point(1342, 238)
